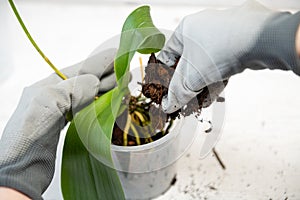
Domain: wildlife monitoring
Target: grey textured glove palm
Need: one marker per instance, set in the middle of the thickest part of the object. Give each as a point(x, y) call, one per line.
point(216, 44)
point(29, 142)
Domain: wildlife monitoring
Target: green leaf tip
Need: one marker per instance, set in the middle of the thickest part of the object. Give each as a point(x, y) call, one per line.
point(138, 34)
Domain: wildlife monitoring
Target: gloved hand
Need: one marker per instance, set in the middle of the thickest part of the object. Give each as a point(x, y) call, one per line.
point(29, 142)
point(216, 44)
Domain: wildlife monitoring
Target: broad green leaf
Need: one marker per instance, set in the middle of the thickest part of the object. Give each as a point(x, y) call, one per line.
point(94, 124)
point(87, 166)
point(87, 162)
point(92, 179)
point(138, 34)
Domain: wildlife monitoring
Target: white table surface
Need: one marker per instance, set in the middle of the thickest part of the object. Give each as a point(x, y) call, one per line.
point(261, 133)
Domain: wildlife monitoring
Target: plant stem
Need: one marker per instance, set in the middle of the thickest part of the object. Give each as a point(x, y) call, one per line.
point(33, 42)
point(168, 127)
point(147, 134)
point(141, 68)
point(218, 158)
point(126, 130)
point(141, 117)
point(138, 141)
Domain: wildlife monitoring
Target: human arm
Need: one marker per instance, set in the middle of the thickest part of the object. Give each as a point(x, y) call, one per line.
point(12, 194)
point(29, 141)
point(298, 41)
point(213, 45)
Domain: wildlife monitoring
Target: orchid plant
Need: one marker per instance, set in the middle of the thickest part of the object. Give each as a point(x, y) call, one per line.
point(87, 165)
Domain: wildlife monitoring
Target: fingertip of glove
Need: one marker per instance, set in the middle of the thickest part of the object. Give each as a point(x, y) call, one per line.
point(169, 105)
point(166, 58)
point(89, 80)
point(164, 104)
point(107, 83)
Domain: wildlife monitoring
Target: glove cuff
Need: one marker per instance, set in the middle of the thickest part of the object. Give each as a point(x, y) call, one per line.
point(29, 173)
point(15, 183)
point(275, 46)
point(284, 29)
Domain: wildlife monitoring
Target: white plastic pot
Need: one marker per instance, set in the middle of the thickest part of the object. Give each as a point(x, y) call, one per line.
point(147, 171)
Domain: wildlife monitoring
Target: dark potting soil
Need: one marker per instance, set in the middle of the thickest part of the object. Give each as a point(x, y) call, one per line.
point(157, 80)
point(147, 118)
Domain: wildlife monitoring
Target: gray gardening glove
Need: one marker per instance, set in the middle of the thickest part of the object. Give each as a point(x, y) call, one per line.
point(216, 44)
point(29, 142)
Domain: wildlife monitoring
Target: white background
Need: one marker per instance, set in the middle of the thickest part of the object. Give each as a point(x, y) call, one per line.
point(261, 134)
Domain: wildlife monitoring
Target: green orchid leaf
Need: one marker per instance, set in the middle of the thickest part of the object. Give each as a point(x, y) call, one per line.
point(138, 34)
point(87, 165)
point(94, 124)
point(91, 179)
point(87, 168)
